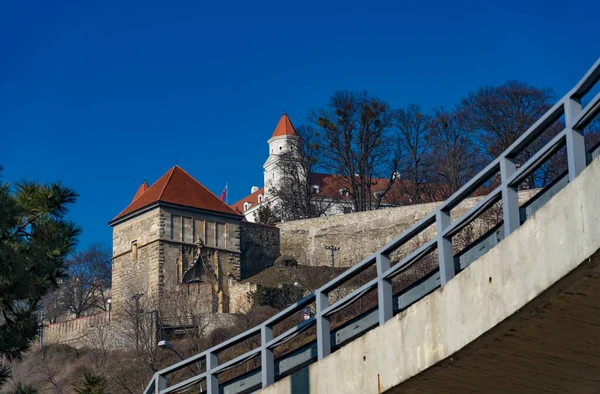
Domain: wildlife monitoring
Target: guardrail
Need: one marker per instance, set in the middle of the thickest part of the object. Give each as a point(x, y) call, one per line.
point(576, 118)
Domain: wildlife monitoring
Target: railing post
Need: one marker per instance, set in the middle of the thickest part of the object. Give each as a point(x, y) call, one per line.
point(510, 197)
point(160, 384)
point(267, 359)
point(212, 381)
point(384, 289)
point(323, 331)
point(444, 245)
point(575, 141)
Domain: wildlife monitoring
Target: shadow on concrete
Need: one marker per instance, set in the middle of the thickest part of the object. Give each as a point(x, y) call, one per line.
point(300, 382)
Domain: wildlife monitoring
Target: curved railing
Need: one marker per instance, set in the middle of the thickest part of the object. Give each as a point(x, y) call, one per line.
point(569, 109)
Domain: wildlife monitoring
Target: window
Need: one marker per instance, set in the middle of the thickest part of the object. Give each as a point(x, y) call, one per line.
point(210, 233)
point(344, 192)
point(176, 227)
point(259, 198)
point(246, 206)
point(199, 230)
point(378, 194)
point(187, 231)
point(179, 271)
point(220, 235)
point(315, 189)
point(134, 250)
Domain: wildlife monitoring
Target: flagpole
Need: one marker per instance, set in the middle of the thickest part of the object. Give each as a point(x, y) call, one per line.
point(226, 194)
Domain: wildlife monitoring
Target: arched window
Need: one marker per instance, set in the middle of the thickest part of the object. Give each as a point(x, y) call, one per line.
point(259, 198)
point(246, 206)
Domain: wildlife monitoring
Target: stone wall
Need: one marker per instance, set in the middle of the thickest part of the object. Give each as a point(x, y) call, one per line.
point(136, 271)
point(260, 246)
point(73, 331)
point(358, 235)
point(143, 228)
point(239, 296)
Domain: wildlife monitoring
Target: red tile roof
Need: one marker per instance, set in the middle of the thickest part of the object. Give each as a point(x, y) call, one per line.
point(252, 199)
point(178, 187)
point(141, 190)
point(284, 127)
point(331, 185)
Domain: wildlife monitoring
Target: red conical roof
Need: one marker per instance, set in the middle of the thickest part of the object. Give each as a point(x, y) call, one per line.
point(143, 187)
point(178, 187)
point(284, 127)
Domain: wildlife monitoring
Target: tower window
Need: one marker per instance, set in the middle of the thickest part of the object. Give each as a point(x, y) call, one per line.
point(134, 251)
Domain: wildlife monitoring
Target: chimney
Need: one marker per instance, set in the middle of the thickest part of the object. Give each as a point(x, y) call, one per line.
point(254, 189)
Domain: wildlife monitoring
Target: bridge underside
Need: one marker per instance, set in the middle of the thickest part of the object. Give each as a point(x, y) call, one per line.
point(550, 346)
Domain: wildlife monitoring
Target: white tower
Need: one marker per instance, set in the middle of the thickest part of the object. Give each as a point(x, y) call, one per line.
point(283, 140)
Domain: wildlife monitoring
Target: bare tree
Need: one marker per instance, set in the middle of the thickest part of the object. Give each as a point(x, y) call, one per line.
point(412, 134)
point(354, 132)
point(296, 196)
point(498, 115)
point(457, 158)
point(89, 278)
point(53, 306)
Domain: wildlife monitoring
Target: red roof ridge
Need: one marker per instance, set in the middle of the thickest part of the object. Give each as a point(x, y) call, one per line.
point(171, 171)
point(219, 198)
point(141, 190)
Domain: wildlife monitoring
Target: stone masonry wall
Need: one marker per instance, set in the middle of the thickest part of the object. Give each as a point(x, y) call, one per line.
point(356, 234)
point(133, 274)
point(260, 247)
point(239, 296)
point(72, 331)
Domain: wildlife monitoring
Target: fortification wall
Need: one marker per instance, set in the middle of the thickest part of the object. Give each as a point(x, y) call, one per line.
point(260, 247)
point(72, 331)
point(356, 234)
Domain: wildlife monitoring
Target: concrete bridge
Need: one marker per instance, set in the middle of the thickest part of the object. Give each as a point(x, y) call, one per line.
point(516, 311)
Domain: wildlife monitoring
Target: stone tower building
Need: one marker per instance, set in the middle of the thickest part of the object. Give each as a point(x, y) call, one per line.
point(178, 236)
point(284, 140)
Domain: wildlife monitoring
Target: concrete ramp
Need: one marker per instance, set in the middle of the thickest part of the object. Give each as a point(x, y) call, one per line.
point(525, 317)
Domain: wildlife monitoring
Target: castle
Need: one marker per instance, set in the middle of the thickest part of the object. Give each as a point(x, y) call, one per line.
point(331, 192)
point(177, 237)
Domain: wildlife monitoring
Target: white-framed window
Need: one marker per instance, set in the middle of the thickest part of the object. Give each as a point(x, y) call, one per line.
point(260, 198)
point(344, 192)
point(246, 206)
point(315, 189)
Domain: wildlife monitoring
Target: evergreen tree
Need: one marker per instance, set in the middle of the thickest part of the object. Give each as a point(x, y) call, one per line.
point(91, 384)
point(35, 240)
point(23, 389)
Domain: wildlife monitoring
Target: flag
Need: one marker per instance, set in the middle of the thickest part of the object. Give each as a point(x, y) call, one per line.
point(224, 194)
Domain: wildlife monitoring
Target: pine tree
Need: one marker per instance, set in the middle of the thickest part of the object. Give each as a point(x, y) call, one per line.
point(91, 384)
point(35, 239)
point(23, 389)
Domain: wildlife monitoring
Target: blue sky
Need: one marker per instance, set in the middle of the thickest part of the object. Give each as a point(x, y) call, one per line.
point(101, 95)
